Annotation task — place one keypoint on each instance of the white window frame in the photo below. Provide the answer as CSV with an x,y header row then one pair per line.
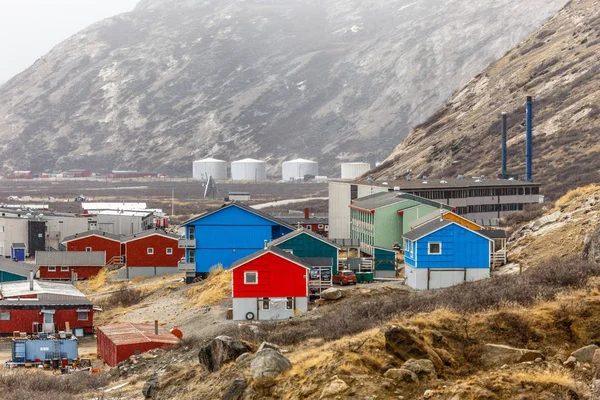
x,y
51,269
265,301
87,315
309,227
326,228
192,232
429,248
64,269
150,251
320,226
88,249
3,316
169,251
246,278
289,304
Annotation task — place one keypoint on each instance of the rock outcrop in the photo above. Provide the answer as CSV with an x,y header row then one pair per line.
x,y
220,351
236,390
585,354
269,363
497,355
335,388
405,345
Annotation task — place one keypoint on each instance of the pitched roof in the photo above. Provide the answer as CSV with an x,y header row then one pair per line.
x,y
147,233
17,268
427,228
300,231
95,232
243,207
318,261
70,258
48,292
131,333
377,200
274,250
18,246
493,233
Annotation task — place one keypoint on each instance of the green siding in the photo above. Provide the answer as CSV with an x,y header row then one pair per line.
x,y
304,245
385,260
8,277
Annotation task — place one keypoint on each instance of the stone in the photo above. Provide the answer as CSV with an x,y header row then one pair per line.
x,y
267,345
496,355
150,389
437,336
538,360
423,368
243,357
334,388
571,362
585,354
405,345
595,389
269,363
596,363
220,351
236,390
332,294
402,375
428,394
385,368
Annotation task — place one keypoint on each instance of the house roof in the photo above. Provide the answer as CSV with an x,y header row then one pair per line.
x,y
275,250
243,207
94,232
131,333
147,233
435,225
301,220
17,268
493,233
70,258
300,231
377,200
318,261
18,246
450,184
343,243
66,291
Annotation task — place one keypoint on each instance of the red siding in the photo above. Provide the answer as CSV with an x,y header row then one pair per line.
x,y
277,277
82,272
22,320
136,252
97,243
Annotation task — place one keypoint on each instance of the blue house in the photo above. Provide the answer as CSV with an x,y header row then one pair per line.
x,y
227,235
307,244
17,251
443,253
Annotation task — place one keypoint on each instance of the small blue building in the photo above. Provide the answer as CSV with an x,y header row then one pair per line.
x,y
443,253
307,244
17,251
227,235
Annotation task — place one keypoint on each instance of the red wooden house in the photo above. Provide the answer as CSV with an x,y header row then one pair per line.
x,y
38,306
150,253
271,284
96,240
64,264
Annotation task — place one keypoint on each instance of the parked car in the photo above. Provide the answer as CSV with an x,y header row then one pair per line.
x,y
345,278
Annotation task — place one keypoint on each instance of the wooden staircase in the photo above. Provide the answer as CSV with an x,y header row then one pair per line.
x,y
115,263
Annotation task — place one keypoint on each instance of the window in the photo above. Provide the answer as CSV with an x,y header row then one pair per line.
x,y
266,304
64,269
192,232
150,250
251,278
320,226
88,249
434,248
169,250
192,256
82,315
289,305
288,251
308,228
51,269
5,316
327,228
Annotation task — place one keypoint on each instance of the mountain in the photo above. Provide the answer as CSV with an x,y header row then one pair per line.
x,y
177,80
560,66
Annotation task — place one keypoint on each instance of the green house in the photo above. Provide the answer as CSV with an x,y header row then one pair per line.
x,y
380,220
384,262
12,271
307,244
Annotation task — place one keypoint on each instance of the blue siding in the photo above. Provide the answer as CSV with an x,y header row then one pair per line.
x,y
230,234
19,254
461,248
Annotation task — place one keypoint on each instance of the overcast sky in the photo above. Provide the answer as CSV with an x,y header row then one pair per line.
x,y
31,28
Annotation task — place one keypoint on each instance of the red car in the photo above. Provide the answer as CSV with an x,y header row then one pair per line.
x,y
344,278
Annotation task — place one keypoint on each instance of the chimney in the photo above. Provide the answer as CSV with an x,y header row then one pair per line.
x,y
504,151
529,139
31,280
306,213
156,327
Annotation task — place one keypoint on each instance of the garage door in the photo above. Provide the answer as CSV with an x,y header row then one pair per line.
x,y
439,278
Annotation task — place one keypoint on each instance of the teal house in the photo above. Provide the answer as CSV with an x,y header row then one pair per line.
x,y
13,271
307,244
384,262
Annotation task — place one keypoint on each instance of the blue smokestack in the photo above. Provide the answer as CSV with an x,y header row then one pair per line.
x,y
529,139
504,152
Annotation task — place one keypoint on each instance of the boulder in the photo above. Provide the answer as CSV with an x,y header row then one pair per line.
x,y
423,368
571,362
150,389
244,357
596,363
595,389
332,294
335,387
585,354
269,363
236,390
428,394
437,336
220,351
496,355
401,375
267,345
405,345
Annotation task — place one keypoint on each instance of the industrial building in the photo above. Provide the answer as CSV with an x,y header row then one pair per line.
x,y
116,343
475,199
354,170
296,170
77,173
202,169
69,265
249,170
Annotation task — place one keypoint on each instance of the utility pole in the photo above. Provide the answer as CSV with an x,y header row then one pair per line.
x,y
172,202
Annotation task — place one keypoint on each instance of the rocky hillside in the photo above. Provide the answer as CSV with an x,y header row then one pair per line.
x,y
559,65
177,80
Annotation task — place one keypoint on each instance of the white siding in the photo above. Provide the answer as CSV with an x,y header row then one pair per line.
x,y
416,278
202,169
249,170
296,169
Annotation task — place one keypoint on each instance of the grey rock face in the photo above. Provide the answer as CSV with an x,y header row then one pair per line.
x,y
150,389
423,368
269,363
402,375
585,354
496,355
219,351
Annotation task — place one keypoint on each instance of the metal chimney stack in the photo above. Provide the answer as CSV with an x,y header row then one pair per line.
x,y
30,280
504,150
529,139
156,327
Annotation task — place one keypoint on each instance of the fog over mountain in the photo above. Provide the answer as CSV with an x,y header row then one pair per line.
x,y
177,80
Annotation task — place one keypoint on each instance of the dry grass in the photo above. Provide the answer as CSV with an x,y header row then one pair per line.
x,y
95,283
575,194
215,288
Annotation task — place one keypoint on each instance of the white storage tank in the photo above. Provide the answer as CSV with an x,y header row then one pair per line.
x,y
354,169
296,169
249,170
202,169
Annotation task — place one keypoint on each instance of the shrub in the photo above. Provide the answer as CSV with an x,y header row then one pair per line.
x,y
529,213
19,385
124,297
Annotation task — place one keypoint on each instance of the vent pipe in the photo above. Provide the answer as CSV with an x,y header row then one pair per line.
x,y
504,151
306,213
156,327
30,280
529,139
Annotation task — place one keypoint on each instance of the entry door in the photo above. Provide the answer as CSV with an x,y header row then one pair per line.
x,y
48,326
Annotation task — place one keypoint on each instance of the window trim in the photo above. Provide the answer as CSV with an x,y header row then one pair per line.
x,y
62,268
192,232
51,269
429,248
5,313
169,251
246,278
87,315
266,301
88,249
150,251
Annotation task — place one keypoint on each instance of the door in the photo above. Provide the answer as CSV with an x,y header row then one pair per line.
x,y
48,324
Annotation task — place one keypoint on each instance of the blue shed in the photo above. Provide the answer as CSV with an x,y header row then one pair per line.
x,y
229,234
17,251
443,253
307,244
